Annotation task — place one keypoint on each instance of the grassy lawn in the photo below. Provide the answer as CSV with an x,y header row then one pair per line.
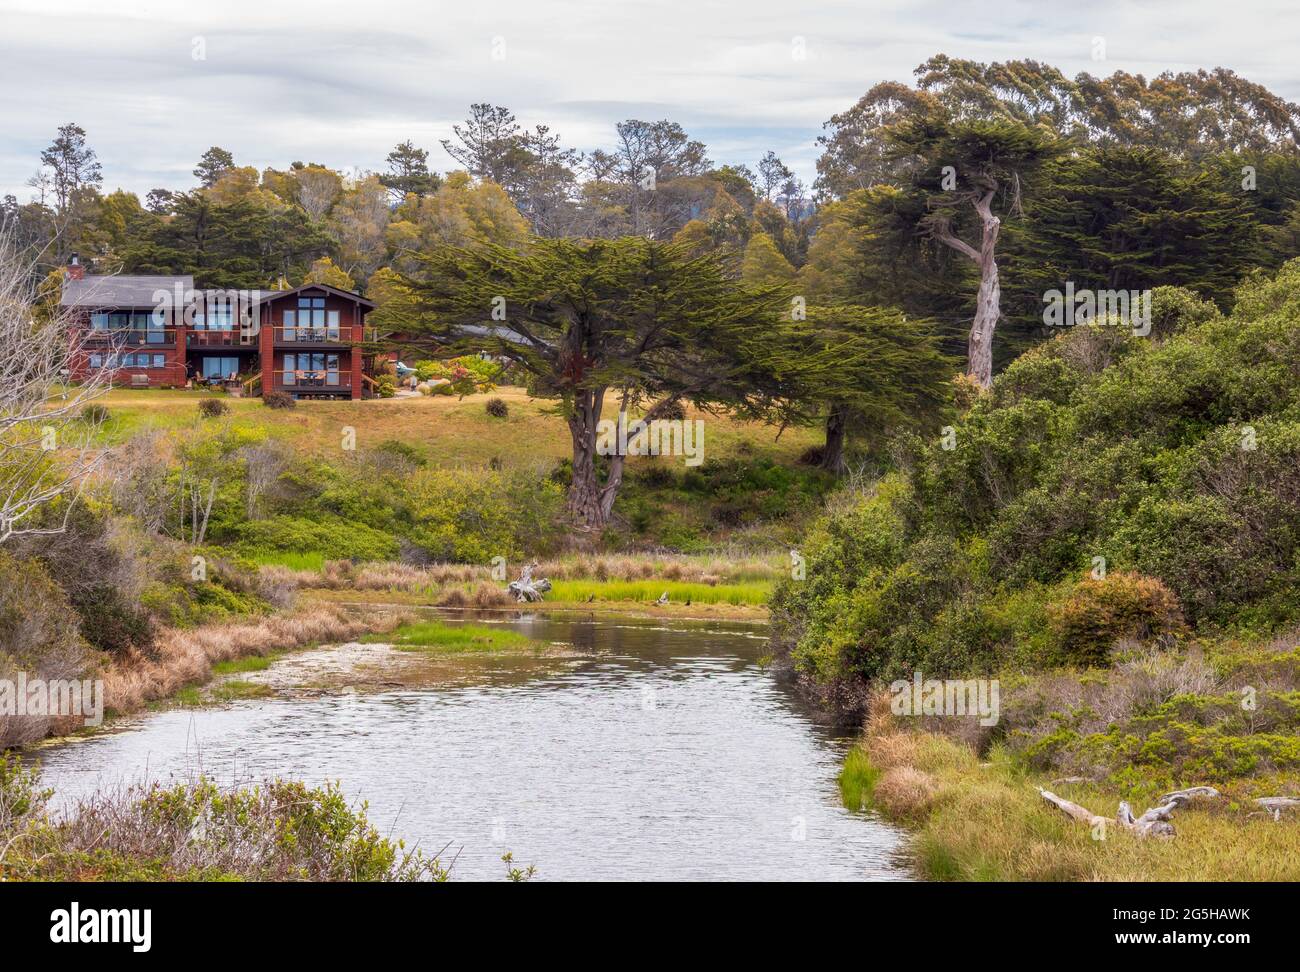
x,y
447,430
434,636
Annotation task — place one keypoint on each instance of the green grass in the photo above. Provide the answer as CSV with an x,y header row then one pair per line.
x,y
235,689
434,636
857,777
250,663
679,592
284,558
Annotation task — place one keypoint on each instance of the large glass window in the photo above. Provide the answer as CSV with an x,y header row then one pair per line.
x,y
219,367
311,369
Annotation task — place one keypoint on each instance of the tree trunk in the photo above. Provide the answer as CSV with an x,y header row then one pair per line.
x,y
988,307
833,451
591,502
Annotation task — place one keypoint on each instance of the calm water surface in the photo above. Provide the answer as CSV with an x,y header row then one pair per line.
x,y
654,751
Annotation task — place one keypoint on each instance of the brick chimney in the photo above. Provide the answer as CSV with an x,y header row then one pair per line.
x,y
75,270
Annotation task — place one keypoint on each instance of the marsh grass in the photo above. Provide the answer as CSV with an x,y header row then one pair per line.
x,y
309,561
986,822
435,636
679,592
250,663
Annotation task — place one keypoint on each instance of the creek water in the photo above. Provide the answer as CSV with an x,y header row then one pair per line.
x,y
638,750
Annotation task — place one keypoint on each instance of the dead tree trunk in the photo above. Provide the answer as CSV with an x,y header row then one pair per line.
x,y
526,589
988,306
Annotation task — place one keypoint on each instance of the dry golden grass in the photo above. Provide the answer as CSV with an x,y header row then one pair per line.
x,y
905,792
186,657
449,431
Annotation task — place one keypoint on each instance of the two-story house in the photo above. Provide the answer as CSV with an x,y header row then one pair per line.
x,y
157,331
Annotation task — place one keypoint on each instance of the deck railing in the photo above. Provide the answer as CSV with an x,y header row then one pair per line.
x,y
320,379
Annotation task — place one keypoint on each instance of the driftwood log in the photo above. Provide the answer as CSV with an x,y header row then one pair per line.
x,y
526,589
1274,805
1154,823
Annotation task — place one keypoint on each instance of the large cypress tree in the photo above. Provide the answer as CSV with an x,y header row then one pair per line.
x,y
644,320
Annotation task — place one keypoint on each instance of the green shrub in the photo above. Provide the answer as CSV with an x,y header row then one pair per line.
x,y
94,414
278,400
333,537
472,515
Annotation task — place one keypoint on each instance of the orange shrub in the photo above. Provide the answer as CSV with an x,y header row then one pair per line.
x,y
1124,604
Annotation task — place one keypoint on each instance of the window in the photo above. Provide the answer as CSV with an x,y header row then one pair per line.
x,y
220,367
217,315
96,361
99,321
311,369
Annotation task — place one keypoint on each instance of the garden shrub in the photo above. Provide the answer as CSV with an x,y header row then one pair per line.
x,y
278,400
497,408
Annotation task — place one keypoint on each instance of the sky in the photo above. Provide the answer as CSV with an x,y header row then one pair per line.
x,y
155,84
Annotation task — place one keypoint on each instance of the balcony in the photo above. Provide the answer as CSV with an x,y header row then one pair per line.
x,y
300,337
220,339
154,337
320,381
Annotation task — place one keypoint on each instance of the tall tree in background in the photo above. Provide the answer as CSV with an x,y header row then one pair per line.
x,y
212,165
489,144
966,173
772,175
408,172
72,165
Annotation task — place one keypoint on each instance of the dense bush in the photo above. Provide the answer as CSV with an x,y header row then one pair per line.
x,y
497,408
1174,457
1122,605
333,537
94,414
213,407
278,400
39,635
474,515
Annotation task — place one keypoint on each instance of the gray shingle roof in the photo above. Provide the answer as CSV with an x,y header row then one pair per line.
x,y
120,291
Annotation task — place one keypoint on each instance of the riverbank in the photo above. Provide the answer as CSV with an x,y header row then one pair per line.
x,y
1221,712
983,820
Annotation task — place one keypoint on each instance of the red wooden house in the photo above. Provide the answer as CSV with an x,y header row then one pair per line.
x,y
158,332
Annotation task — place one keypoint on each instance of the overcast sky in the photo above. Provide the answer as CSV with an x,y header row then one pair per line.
x,y
155,84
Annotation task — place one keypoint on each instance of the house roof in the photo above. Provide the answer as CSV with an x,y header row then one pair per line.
x,y
119,291
346,294
139,291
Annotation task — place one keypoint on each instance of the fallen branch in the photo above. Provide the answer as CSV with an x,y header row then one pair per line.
x,y
1276,804
1153,823
526,589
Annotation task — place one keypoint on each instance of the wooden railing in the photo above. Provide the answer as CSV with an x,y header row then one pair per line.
x,y
311,335
234,338
320,379
160,337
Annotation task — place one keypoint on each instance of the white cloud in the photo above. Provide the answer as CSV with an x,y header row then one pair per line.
x,y
341,85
